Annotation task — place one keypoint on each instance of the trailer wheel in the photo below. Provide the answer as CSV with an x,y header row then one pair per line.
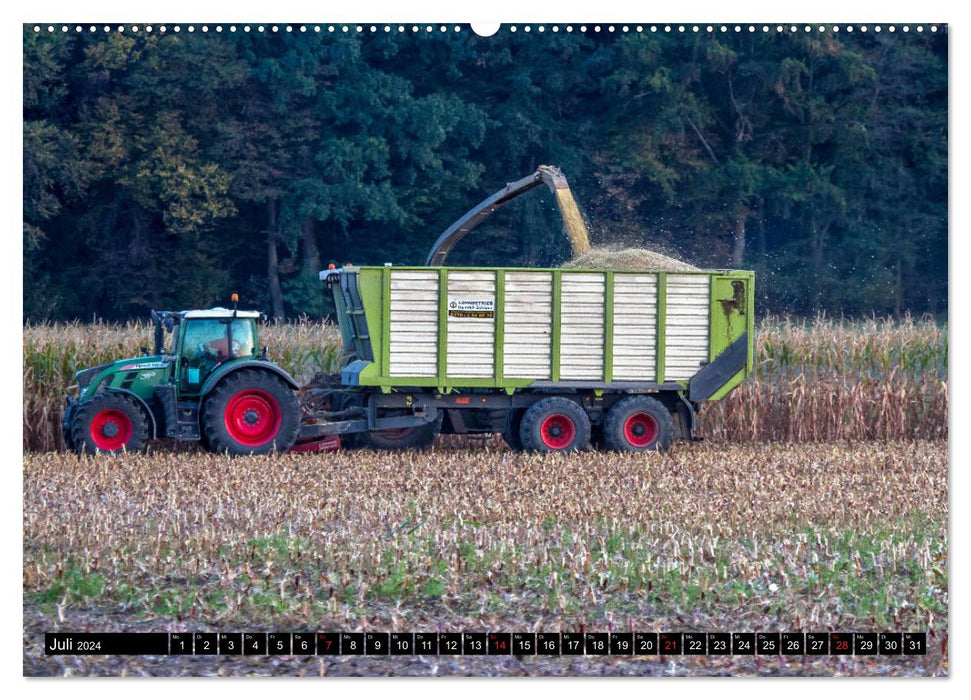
x,y
510,433
554,425
251,413
108,422
404,438
638,424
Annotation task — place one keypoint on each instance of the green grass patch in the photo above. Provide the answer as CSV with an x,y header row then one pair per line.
x,y
72,585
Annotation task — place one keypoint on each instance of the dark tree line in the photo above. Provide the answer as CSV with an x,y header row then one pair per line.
x,y
168,170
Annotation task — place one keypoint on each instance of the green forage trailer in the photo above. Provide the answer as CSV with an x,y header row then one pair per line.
x,y
553,359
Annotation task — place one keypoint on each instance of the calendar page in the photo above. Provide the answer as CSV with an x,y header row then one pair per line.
x,y
446,349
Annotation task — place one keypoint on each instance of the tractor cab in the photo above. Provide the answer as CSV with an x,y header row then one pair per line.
x,y
203,341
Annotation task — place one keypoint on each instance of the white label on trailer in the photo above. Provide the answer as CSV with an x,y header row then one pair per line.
x,y
471,308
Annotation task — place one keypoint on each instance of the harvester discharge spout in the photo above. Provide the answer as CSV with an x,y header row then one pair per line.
x,y
545,174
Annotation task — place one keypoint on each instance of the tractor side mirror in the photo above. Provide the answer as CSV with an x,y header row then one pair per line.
x,y
169,324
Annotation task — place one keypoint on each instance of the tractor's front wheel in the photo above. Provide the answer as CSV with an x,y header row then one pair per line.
x,y
250,413
108,422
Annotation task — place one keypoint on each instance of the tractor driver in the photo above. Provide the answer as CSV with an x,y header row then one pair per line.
x,y
217,348
213,343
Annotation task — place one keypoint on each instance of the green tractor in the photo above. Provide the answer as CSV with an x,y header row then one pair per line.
x,y
213,385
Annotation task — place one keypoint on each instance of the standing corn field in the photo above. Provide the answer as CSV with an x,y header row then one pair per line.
x,y
815,380
830,380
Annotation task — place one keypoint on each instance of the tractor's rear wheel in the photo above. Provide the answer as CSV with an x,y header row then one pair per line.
x,y
638,424
250,412
555,425
108,422
417,438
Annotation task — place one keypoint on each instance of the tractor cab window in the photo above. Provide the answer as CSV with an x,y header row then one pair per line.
x,y
243,337
207,342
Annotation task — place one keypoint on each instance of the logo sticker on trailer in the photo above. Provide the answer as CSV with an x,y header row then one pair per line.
x,y
471,308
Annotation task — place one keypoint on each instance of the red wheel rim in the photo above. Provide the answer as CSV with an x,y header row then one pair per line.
x,y
557,431
111,429
252,417
641,429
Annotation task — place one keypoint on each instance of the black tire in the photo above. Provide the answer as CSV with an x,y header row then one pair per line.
x,y
638,424
66,424
251,412
108,422
510,433
554,425
418,438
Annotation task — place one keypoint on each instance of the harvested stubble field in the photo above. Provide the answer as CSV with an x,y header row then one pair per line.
x,y
814,381
848,536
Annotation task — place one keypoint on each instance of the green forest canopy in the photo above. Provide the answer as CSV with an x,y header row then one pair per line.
x,y
168,170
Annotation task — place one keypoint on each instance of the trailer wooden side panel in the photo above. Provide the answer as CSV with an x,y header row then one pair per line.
x,y
635,326
527,325
582,326
414,323
688,307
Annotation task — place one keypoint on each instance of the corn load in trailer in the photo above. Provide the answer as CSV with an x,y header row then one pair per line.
x,y
553,359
